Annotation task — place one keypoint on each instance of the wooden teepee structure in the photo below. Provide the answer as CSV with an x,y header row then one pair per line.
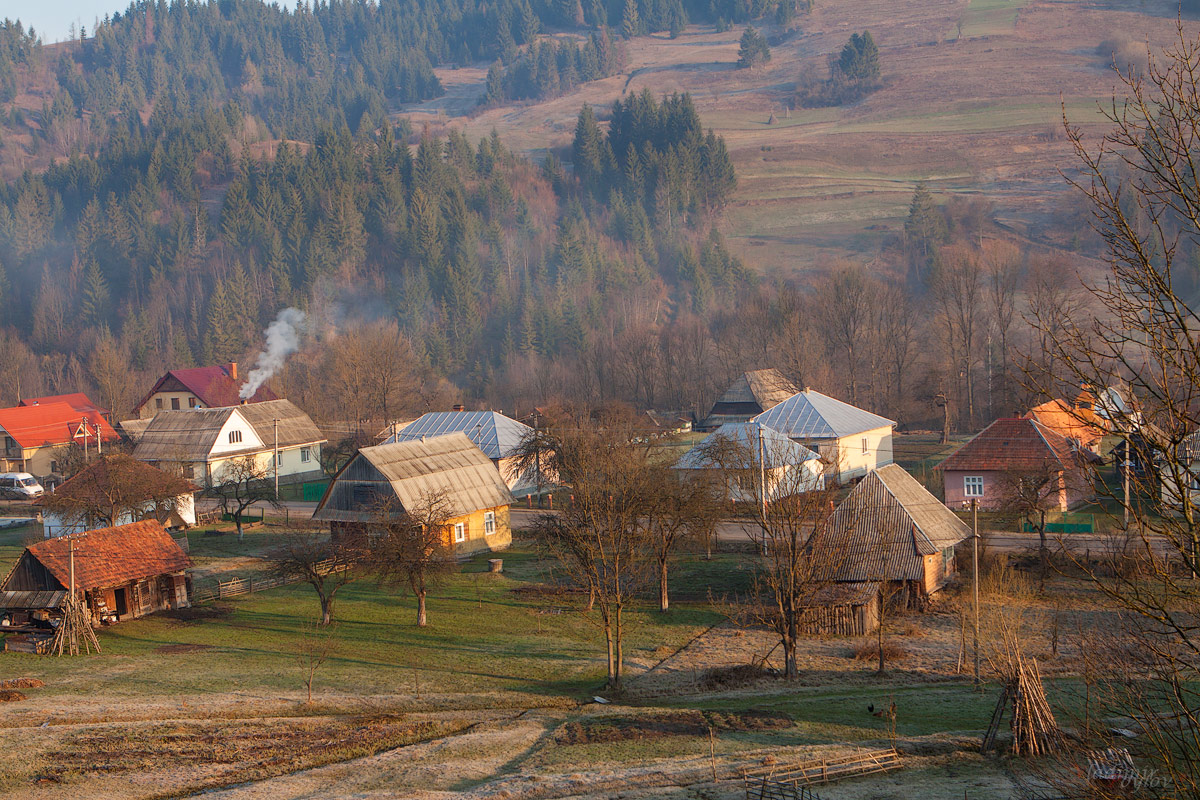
x,y
76,623
1035,731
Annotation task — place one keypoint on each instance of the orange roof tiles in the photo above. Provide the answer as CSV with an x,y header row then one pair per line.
x,y
107,557
51,424
76,400
1073,422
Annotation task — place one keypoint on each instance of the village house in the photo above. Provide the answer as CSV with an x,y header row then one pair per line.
x,y
401,477
753,455
116,489
76,400
891,530
750,395
1187,465
498,436
124,572
198,387
852,442
988,467
196,444
30,436
1075,421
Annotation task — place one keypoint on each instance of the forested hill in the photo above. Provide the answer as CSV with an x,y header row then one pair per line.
x,y
177,244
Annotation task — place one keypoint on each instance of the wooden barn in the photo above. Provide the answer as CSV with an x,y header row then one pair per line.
x,y
890,529
401,476
124,572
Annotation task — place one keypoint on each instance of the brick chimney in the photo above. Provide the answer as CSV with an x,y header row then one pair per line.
x,y
233,370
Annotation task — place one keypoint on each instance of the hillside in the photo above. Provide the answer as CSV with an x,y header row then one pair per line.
x,y
974,110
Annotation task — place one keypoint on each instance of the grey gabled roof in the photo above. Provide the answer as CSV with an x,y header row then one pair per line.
x,y
812,415
778,449
495,434
887,524
189,435
410,471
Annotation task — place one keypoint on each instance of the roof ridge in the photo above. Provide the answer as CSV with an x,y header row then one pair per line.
x,y
912,520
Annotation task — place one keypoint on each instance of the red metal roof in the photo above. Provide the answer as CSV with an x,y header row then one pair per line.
x,y
76,400
52,424
1013,444
214,387
107,557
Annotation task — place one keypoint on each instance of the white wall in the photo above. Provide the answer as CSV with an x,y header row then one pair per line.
x,y
852,462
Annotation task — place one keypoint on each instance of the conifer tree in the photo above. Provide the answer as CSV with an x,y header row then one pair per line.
x,y
630,25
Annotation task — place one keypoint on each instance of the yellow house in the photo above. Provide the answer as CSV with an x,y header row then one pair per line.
x,y
406,474
30,436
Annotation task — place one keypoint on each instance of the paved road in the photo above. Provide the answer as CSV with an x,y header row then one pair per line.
x,y
738,531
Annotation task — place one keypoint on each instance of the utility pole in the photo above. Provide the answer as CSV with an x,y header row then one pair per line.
x,y
974,503
99,443
762,484
275,461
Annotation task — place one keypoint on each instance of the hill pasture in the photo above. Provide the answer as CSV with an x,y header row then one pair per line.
x,y
972,103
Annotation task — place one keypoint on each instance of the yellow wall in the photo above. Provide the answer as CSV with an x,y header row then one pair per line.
x,y
476,541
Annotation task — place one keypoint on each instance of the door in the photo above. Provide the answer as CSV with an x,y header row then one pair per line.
x,y
121,603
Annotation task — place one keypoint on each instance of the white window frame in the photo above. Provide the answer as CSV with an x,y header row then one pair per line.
x,y
489,523
460,532
235,437
972,486
305,455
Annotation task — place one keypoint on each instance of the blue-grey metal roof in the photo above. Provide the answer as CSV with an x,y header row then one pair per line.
x,y
812,415
495,434
778,449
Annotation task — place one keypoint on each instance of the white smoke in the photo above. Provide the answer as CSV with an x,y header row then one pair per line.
x,y
283,339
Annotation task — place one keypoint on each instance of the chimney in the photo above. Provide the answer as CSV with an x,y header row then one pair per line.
x,y
458,407
233,370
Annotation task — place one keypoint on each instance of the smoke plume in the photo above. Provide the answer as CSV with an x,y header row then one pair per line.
x,y
283,339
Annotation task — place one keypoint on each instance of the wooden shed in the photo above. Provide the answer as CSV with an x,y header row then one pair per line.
x,y
891,529
123,572
843,609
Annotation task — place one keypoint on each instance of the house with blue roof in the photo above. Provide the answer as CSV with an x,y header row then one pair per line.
x,y
498,436
755,458
851,441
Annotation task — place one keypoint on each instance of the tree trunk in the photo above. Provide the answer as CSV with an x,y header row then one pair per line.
x,y
237,520
664,602
591,601
421,609
613,681
326,610
619,657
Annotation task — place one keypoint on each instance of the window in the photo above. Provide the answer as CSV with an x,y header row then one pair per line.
x,y
174,403
973,486
158,403
305,455
54,466
460,531
865,448
489,523
192,402
235,437
189,471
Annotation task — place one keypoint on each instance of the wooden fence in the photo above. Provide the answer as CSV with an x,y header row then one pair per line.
x,y
790,782
238,586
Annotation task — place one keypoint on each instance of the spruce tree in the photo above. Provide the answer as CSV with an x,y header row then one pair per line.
x,y
630,25
753,49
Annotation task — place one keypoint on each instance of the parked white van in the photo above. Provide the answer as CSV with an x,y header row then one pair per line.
x,y
19,486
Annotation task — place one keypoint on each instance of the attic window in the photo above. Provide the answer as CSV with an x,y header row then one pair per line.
x,y
865,446
235,437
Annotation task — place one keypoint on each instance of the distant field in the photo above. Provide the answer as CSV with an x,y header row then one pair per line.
x,y
976,114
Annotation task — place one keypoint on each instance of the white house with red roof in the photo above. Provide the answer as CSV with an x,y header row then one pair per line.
x,y
198,387
30,435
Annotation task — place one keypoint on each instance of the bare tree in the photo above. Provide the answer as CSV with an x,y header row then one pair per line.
x,y
1140,181
958,287
373,365
677,510
1002,263
325,564
843,303
238,484
313,650
411,547
601,538
789,509
115,486
1033,492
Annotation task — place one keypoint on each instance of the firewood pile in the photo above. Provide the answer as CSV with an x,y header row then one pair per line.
x,y
75,627
1035,731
